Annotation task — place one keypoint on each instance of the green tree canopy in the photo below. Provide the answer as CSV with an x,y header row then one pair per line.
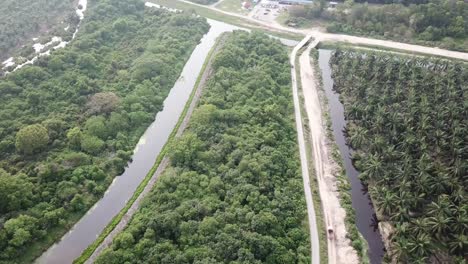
x,y
74,137
31,138
96,126
15,192
91,144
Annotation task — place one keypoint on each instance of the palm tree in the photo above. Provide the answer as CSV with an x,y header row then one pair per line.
x,y
358,136
373,167
459,223
418,226
384,200
421,247
438,208
400,250
408,125
438,224
459,244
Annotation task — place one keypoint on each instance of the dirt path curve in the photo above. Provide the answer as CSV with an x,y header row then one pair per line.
x,y
216,3
314,240
162,166
317,34
339,246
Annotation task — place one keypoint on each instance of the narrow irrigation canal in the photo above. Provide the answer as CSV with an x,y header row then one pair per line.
x,y
365,214
122,188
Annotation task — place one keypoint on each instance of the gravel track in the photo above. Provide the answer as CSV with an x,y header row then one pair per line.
x,y
314,239
339,246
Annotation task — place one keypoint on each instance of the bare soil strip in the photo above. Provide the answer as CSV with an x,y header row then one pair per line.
x,y
339,246
314,240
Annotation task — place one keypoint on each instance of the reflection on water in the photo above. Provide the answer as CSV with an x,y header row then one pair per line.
x,y
122,188
366,219
150,144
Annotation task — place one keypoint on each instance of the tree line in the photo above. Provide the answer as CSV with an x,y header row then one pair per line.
x,y
233,192
442,23
69,123
407,122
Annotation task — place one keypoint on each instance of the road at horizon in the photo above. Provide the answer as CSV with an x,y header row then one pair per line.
x,y
323,36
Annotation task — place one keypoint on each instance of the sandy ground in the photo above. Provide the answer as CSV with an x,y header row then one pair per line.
x,y
162,166
339,246
314,240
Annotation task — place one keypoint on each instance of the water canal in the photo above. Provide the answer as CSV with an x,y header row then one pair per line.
x,y
366,220
122,188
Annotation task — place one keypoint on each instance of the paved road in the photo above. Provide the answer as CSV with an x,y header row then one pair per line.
x,y
314,240
321,36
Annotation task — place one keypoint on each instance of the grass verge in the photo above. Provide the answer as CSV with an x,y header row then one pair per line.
x,y
91,248
357,240
232,6
233,20
319,212
285,18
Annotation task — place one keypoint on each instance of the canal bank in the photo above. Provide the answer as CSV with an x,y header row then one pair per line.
x,y
121,221
365,217
122,189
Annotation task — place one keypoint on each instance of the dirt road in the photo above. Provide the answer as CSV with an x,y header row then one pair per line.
x,y
317,34
390,44
314,240
339,246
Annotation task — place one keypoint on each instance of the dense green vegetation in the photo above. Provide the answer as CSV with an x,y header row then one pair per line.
x,y
63,139
124,213
23,20
233,193
442,23
407,122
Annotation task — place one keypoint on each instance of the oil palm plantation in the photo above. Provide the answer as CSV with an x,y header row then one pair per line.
x,y
407,123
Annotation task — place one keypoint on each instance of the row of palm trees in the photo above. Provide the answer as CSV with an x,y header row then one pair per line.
x,y
407,120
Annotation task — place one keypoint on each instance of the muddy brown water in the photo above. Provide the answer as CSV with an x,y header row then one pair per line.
x,y
365,215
